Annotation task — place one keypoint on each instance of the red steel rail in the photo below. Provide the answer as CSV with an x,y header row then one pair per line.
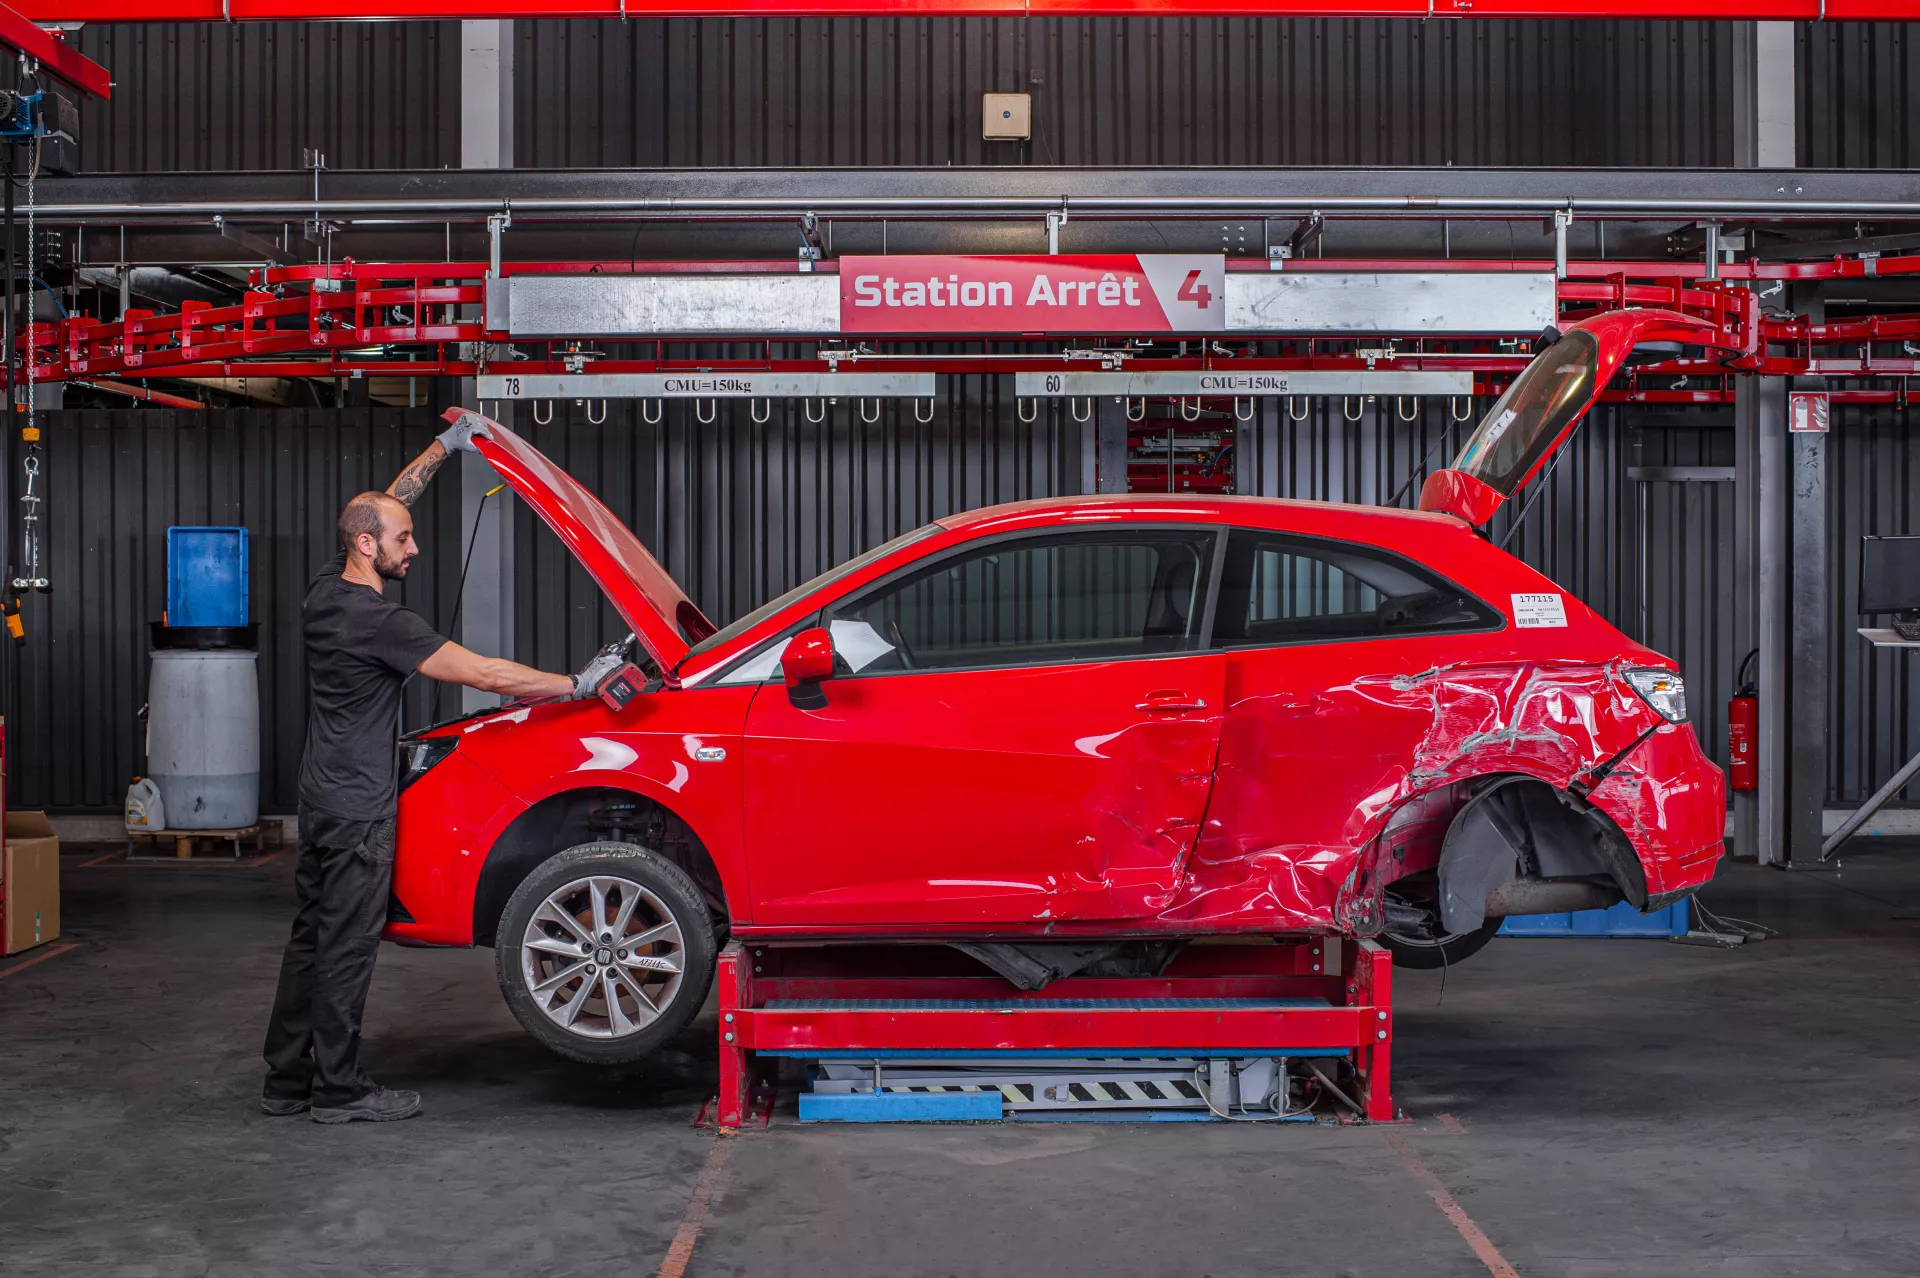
x,y
53,53
336,10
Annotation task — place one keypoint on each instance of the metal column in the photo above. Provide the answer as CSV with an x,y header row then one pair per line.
x,y
1769,415
1746,578
1807,650
1763,95
486,142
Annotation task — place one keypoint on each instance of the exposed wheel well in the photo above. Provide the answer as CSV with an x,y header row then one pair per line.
x,y
1521,830
573,817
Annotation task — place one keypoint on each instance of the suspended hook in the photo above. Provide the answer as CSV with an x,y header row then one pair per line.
x,y
1406,417
1028,409
1238,416
603,412
1194,416
863,410
659,411
1139,416
1301,416
1453,407
538,420
713,411
916,410
807,408
1074,405
1360,408
758,416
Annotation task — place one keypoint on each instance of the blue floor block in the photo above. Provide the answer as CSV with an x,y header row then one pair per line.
x,y
1620,921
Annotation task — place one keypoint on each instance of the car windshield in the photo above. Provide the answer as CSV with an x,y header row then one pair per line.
x,y
1548,394
728,634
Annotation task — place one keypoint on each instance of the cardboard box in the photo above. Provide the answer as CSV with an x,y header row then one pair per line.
x,y
29,883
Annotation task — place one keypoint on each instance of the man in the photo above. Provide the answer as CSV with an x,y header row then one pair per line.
x,y
360,649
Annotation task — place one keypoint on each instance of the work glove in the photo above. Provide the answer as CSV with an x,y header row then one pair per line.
x,y
594,673
458,438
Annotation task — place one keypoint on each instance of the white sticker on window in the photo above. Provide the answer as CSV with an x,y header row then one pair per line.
x,y
857,643
1539,610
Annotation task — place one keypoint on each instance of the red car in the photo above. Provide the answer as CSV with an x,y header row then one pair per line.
x,y
1068,736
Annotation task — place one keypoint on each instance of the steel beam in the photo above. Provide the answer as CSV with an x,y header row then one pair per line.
x,y
1769,415
1807,651
439,195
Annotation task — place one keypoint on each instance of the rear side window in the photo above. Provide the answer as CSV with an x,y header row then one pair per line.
x,y
1034,601
1279,589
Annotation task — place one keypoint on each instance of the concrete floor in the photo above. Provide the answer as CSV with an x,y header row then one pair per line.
x,y
1585,1107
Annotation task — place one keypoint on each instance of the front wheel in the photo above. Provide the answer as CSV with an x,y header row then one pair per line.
x,y
1420,951
605,952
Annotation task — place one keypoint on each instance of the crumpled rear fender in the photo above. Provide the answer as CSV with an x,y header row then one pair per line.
x,y
1569,725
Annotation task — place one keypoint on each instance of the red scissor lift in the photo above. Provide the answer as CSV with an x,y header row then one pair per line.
x,y
1264,999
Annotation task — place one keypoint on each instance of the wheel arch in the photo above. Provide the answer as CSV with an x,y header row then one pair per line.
x,y
1515,827
585,814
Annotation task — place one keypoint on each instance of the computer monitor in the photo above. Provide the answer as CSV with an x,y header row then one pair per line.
x,y
1890,578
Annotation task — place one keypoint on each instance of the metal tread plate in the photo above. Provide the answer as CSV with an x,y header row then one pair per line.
x,y
1040,1004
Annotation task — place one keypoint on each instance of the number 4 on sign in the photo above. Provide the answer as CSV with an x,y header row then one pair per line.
x,y
1192,290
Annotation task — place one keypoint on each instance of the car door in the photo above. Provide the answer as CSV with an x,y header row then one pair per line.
x,y
1020,731
1323,640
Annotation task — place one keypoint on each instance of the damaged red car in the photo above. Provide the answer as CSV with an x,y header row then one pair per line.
x,y
1068,736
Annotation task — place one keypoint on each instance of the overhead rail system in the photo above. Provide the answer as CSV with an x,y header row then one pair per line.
x,y
834,322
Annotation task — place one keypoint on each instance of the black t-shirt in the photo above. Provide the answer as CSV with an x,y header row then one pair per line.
x,y
360,649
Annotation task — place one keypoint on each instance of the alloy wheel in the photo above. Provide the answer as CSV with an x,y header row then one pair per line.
x,y
602,957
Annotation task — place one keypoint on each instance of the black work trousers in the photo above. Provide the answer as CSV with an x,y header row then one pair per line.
x,y
343,879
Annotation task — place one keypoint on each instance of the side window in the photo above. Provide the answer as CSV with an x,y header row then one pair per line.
x,y
1033,601
1278,589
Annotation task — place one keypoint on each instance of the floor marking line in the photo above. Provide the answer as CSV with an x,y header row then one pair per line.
x,y
706,1188
1452,1124
41,957
1482,1245
105,856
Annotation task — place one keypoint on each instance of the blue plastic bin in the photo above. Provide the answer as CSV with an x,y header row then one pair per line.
x,y
1621,920
206,576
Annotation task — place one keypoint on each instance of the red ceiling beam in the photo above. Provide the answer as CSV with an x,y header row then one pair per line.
x,y
321,10
55,55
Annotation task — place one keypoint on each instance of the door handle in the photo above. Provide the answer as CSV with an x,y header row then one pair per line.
x,y
1169,701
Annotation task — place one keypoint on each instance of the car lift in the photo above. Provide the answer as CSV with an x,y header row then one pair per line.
x,y
936,1039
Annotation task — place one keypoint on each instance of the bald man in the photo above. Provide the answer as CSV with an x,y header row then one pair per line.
x,y
361,646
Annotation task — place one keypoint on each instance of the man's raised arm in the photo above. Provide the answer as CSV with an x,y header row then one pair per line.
x,y
457,438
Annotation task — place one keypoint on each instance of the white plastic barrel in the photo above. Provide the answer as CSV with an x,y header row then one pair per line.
x,y
203,737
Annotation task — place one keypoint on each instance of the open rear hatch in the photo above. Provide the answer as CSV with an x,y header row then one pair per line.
x,y
1539,411
664,620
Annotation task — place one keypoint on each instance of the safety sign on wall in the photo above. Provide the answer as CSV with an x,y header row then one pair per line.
x,y
1107,293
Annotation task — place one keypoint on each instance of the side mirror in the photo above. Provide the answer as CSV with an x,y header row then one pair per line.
x,y
807,660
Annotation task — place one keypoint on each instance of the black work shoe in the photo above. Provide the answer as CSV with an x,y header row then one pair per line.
x,y
283,1106
381,1105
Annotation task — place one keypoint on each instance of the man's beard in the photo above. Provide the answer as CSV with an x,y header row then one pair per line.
x,y
389,569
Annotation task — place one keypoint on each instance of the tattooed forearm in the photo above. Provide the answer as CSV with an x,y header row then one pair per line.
x,y
412,481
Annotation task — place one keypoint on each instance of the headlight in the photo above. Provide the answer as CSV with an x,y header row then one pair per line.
x,y
1664,690
422,753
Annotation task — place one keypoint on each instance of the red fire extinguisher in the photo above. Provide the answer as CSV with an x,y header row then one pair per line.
x,y
1743,731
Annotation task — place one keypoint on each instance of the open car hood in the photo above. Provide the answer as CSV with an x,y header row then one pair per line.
x,y
663,618
1529,423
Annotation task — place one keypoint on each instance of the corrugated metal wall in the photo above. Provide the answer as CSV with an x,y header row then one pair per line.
x,y
251,95
848,91
741,511
1109,91
115,481
1859,95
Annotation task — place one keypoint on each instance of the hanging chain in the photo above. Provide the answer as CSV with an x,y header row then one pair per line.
x,y
31,577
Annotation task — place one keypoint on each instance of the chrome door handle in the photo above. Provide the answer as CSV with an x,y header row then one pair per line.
x,y
1169,701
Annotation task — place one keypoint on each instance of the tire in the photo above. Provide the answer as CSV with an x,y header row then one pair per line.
x,y
1426,952
557,987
